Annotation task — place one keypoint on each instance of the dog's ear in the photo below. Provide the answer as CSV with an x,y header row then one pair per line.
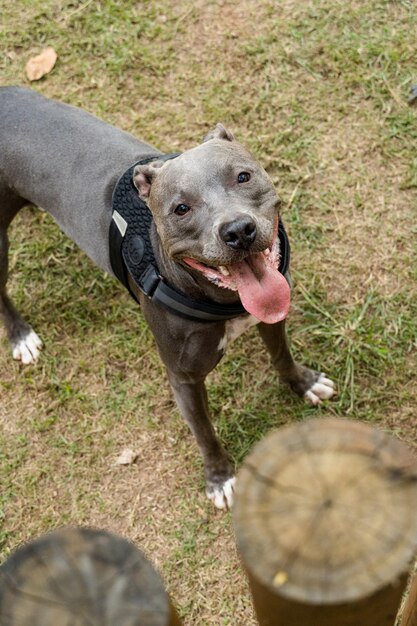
x,y
144,175
219,132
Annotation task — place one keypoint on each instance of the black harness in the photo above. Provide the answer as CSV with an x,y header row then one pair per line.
x,y
133,261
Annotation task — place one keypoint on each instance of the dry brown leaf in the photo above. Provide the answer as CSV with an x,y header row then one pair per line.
x,y
42,64
126,457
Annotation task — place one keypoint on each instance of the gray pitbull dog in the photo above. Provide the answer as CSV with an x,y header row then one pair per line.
x,y
214,235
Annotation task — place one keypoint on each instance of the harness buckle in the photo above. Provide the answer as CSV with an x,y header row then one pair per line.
x,y
149,281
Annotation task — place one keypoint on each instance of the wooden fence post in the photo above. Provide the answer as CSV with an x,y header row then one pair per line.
x,y
82,577
325,520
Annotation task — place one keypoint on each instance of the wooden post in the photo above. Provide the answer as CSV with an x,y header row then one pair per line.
x,y
326,524
82,577
409,613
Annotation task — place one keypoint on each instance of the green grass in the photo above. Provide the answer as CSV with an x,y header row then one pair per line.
x,y
318,91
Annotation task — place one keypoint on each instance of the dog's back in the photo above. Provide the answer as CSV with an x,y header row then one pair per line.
x,y
65,161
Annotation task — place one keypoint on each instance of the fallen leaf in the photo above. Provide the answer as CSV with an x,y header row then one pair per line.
x,y
42,64
127,457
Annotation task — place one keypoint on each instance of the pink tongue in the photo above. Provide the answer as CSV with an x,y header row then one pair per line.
x,y
263,291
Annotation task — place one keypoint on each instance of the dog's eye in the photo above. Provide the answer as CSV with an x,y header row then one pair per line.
x,y
181,209
243,177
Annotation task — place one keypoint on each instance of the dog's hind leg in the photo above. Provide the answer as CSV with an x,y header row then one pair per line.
x,y
24,341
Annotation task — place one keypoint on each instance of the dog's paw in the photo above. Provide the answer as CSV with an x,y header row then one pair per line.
x,y
27,348
222,494
322,389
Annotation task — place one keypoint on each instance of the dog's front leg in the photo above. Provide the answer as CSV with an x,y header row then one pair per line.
x,y
189,351
313,386
191,398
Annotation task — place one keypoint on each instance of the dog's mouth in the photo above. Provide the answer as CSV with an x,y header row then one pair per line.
x,y
263,290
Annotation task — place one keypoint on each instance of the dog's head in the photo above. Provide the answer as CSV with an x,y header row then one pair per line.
x,y
216,212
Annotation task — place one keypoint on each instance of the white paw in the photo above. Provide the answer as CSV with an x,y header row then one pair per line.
x,y
27,349
323,389
222,497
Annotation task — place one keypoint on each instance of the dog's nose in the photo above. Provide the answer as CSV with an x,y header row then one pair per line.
x,y
239,234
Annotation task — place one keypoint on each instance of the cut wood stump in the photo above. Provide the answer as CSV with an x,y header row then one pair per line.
x,y
409,614
326,524
82,577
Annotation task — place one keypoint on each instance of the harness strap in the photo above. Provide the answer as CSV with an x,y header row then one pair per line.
x,y
184,306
